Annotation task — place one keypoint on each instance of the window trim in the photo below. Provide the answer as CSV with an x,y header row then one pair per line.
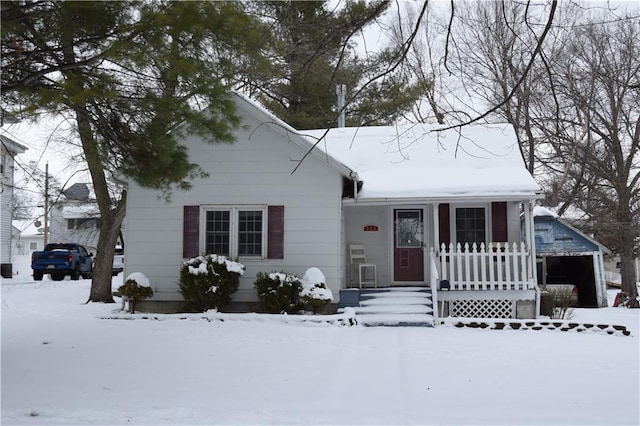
x,y
234,221
453,222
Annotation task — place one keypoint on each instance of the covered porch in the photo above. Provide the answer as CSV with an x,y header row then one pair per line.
x,y
427,245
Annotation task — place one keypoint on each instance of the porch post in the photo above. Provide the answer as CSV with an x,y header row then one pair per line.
x,y
434,265
530,241
436,227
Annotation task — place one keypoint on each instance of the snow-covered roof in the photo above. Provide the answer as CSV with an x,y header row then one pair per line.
x,y
415,161
12,145
81,211
27,228
543,211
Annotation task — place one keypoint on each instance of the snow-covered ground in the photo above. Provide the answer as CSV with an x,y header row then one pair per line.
x,y
63,364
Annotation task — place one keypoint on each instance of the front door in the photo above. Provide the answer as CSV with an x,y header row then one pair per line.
x,y
408,242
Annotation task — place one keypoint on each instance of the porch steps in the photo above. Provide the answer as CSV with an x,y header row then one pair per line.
x,y
395,306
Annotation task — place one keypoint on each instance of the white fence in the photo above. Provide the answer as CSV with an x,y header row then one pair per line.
x,y
497,266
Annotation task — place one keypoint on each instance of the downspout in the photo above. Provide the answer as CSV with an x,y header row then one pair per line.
x,y
354,177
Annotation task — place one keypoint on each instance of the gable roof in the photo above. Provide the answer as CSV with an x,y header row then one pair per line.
x,y
265,117
12,145
417,162
543,214
27,228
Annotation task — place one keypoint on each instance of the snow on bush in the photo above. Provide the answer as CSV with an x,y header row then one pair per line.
x,y
207,282
315,292
198,265
136,287
140,278
278,292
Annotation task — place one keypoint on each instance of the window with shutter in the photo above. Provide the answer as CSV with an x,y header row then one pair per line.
x,y
234,231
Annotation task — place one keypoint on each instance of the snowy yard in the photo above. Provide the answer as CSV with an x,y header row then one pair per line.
x,y
62,364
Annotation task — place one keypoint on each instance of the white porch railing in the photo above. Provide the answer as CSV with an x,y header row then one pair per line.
x,y
498,266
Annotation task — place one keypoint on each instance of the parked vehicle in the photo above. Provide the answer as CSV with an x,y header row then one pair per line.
x,y
118,261
62,259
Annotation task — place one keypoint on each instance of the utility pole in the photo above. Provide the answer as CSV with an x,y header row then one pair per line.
x,y
46,203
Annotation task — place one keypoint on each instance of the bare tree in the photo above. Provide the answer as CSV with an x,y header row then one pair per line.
x,y
598,126
574,108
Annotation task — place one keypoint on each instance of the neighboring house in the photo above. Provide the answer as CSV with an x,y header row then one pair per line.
x,y
75,218
8,150
428,207
27,237
568,256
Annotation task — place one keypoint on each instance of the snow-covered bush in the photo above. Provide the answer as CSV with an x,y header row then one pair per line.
x,y
278,292
136,287
207,282
315,294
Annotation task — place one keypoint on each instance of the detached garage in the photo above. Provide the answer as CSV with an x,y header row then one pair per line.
x,y
567,256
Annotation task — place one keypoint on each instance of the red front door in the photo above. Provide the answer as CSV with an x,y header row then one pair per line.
x,y
408,242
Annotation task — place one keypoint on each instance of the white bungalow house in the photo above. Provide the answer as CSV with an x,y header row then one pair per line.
x,y
8,150
432,210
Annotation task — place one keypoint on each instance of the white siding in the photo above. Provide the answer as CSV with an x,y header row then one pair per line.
x,y
513,222
6,198
376,243
255,170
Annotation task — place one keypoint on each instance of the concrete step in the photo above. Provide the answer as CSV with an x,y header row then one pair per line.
x,y
393,309
394,320
392,306
396,301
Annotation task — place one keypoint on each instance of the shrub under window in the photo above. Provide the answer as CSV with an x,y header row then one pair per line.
x,y
279,292
208,282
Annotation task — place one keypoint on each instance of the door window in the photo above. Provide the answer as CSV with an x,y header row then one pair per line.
x,y
409,229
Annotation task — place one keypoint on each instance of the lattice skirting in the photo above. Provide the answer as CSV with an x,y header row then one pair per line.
x,y
482,308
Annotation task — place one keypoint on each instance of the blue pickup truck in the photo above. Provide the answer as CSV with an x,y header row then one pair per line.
x,y
62,259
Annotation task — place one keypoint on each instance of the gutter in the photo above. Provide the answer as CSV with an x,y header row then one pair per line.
x,y
437,199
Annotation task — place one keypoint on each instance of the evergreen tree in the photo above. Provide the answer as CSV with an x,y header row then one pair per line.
x,y
312,51
135,77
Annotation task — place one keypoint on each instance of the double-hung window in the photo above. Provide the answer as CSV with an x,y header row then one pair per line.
x,y
470,225
235,231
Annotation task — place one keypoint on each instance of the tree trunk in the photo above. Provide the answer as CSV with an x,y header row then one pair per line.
x,y
627,265
111,216
110,224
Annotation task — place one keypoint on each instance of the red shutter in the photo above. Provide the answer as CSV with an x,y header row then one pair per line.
x,y
275,232
499,221
191,232
444,224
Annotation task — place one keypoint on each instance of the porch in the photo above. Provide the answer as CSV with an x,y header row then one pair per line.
x,y
490,281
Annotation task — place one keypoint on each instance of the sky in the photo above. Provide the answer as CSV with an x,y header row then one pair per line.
x,y
65,362
48,140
